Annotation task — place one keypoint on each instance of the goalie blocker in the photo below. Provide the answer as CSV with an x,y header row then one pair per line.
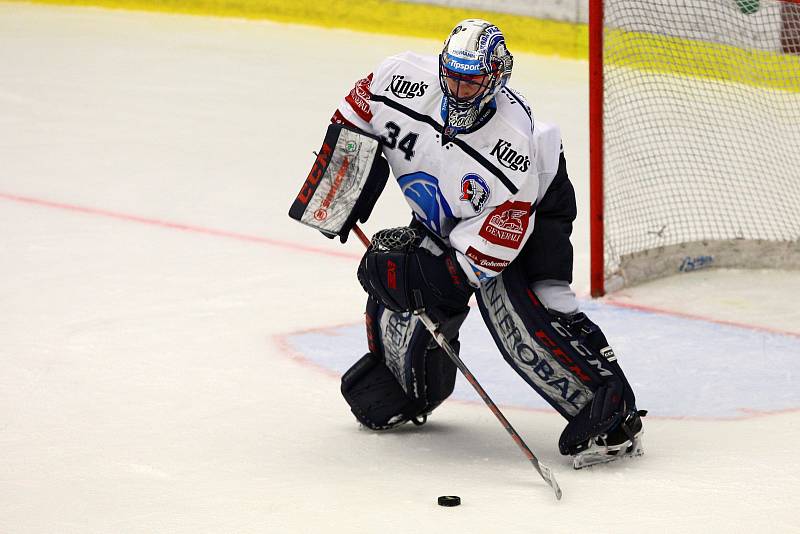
x,y
344,183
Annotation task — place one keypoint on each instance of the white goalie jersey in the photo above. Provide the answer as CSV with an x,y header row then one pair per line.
x,y
479,190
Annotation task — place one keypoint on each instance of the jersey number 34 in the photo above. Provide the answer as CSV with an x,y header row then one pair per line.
x,y
405,145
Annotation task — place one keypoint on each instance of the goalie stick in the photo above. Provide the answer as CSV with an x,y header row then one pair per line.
x,y
544,471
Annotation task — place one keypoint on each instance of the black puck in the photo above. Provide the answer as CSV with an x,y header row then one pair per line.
x,y
449,500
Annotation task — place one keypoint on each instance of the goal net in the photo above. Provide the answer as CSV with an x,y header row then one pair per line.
x,y
695,137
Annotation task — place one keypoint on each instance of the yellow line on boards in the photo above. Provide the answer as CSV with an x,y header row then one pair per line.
x,y
637,50
701,59
523,34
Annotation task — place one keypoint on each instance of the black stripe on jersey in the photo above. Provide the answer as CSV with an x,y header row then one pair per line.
x,y
458,142
517,99
487,164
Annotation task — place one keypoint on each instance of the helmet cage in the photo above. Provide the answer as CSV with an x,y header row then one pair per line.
x,y
465,90
474,66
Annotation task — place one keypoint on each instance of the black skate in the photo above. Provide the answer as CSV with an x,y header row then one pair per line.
x,y
623,441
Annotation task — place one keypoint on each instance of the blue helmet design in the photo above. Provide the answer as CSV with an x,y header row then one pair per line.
x,y
473,67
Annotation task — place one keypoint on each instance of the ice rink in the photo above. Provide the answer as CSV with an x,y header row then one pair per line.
x,y
171,342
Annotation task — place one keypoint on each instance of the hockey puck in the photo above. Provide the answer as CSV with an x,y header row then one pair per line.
x,y
449,500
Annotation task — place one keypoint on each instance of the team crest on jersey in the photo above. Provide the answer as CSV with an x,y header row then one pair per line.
x,y
475,191
401,87
507,223
426,200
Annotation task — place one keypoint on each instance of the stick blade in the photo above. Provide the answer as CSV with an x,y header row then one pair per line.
x,y
549,477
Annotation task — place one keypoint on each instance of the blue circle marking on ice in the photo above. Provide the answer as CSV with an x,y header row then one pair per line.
x,y
679,367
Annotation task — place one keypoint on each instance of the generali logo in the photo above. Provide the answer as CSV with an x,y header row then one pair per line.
x,y
403,88
510,158
507,223
359,98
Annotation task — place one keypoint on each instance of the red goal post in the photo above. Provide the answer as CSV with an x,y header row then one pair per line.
x,y
694,111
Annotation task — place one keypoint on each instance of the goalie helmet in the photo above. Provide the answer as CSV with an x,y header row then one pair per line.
x,y
473,67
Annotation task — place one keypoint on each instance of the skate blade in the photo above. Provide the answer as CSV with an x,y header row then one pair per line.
x,y
602,455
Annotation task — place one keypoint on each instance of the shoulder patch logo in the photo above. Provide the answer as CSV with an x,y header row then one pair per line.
x,y
359,98
507,223
475,191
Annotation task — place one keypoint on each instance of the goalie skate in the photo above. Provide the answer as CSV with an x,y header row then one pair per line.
x,y
622,442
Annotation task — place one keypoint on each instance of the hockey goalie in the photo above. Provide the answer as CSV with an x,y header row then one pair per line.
x,y
492,212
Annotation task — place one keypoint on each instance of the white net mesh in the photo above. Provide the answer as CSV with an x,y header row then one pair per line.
x,y
702,136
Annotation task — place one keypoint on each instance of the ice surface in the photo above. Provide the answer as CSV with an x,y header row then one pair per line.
x,y
156,374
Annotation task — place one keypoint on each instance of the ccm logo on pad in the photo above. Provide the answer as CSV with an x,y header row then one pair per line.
x,y
507,223
316,174
391,274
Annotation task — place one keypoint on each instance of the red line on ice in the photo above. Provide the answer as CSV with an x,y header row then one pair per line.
x,y
653,309
176,226
315,250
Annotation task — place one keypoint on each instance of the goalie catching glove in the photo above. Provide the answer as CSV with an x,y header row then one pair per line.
x,y
406,271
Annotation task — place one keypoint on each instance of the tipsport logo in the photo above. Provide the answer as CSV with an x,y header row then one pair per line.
x,y
465,66
404,88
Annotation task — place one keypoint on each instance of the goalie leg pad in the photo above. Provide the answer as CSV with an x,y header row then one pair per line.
x,y
565,358
374,395
613,401
440,375
531,346
405,376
